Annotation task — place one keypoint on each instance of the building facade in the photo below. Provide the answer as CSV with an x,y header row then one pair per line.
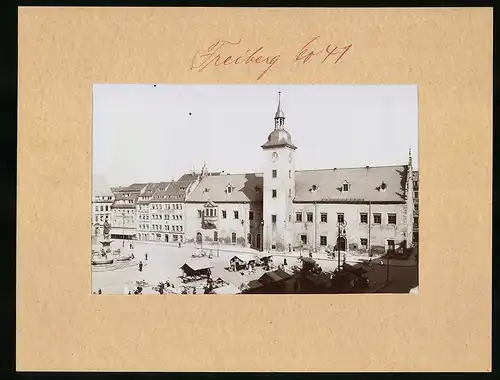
x,y
415,207
123,211
102,199
226,208
142,211
166,209
283,209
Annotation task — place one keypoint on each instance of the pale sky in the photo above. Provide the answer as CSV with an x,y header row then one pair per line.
x,y
143,133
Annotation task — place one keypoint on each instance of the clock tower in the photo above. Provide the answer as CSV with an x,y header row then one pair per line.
x,y
279,185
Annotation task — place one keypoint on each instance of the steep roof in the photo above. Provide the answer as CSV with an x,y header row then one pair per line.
x,y
100,186
376,184
160,192
134,187
148,193
244,188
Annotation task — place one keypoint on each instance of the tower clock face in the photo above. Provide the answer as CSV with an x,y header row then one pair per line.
x,y
290,158
274,156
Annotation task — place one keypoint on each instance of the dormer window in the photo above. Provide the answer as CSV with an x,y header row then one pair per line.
x,y
229,189
314,188
345,186
383,186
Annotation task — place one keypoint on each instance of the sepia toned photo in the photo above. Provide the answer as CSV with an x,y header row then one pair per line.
x,y
254,189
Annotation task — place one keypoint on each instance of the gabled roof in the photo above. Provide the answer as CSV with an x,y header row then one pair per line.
x,y
254,284
198,264
245,257
148,193
160,192
134,187
245,188
365,184
100,186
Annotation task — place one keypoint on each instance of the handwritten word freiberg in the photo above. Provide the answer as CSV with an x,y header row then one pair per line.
x,y
217,55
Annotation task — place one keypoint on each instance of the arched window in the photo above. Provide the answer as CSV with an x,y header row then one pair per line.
x,y
233,238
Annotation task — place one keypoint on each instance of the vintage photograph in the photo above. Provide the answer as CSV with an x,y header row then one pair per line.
x,y
254,189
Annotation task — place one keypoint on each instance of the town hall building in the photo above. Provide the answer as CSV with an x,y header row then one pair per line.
x,y
284,209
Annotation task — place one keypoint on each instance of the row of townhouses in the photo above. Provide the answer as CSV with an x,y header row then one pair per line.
x,y
278,208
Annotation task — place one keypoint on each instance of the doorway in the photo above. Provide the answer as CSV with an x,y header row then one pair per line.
x,y
258,241
199,237
303,239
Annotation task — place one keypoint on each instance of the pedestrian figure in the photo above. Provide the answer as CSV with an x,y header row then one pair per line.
x,y
129,293
140,266
310,254
132,256
130,246
381,262
99,291
284,262
370,262
343,258
179,244
146,256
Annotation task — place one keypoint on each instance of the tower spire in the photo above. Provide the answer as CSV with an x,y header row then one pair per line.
x,y
279,118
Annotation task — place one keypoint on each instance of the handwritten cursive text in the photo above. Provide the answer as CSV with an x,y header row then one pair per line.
x,y
214,55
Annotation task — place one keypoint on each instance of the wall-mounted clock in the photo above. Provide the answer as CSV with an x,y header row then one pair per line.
x,y
274,156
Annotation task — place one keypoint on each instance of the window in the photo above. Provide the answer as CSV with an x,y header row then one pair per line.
x,y
224,214
102,208
96,218
180,207
216,236
390,244
211,211
324,217
273,218
415,194
289,193
298,217
236,214
289,217
229,189
289,174
364,242
377,218
322,240
416,206
415,220
363,217
345,187
391,218
250,215
180,228
233,238
107,208
340,217
275,173
309,216
275,193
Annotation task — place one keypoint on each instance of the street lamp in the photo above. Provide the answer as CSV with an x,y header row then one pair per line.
x,y
123,229
262,236
341,225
